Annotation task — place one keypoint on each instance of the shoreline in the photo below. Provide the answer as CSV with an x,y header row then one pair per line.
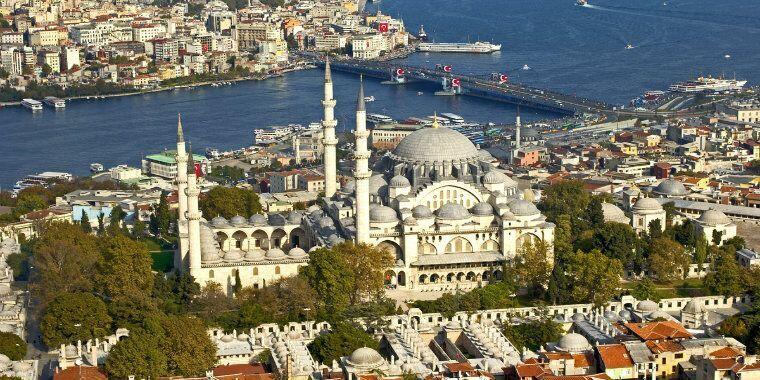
x,y
171,88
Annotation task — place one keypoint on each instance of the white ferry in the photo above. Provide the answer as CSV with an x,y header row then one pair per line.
x,y
41,179
54,102
453,117
376,118
96,167
477,47
707,84
32,104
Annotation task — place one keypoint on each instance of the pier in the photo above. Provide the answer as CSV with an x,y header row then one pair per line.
x,y
493,89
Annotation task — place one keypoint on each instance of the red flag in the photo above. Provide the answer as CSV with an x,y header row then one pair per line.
x,y
503,78
382,27
456,82
447,68
400,71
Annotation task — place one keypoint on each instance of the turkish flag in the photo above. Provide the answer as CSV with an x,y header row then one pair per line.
x,y
503,78
447,68
456,82
382,27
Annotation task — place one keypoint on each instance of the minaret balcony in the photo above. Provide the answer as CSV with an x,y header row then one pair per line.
x,y
329,103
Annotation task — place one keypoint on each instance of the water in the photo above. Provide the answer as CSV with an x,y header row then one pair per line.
x,y
569,48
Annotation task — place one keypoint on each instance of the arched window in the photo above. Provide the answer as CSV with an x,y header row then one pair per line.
x,y
211,273
277,270
255,271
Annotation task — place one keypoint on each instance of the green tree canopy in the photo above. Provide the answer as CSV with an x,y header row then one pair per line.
x,y
645,290
12,346
593,276
341,341
619,241
72,317
230,201
533,333
668,260
533,265
565,198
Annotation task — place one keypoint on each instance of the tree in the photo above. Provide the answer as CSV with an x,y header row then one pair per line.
x,y
12,346
619,241
46,70
347,274
72,317
65,258
655,229
534,265
645,290
595,213
175,293
115,219
726,278
565,198
26,203
126,279
701,247
533,334
138,229
341,341
559,287
594,277
101,223
85,223
211,301
228,202
685,233
737,242
161,217
717,236
164,346
668,260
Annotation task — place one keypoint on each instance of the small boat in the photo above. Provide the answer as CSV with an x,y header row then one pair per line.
x,y
526,67
629,47
727,56
369,98
420,93
96,167
581,2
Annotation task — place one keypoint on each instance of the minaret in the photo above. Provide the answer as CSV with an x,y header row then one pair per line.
x,y
329,140
362,172
297,149
181,171
193,214
517,129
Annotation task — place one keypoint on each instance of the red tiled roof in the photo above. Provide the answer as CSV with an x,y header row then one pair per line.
x,y
80,373
614,356
725,352
659,330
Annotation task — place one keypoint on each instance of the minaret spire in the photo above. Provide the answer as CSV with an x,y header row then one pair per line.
x,y
180,133
193,215
329,140
362,173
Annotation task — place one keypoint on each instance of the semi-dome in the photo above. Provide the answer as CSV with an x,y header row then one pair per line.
x,y
258,220
297,253
219,222
435,145
382,214
237,221
713,217
647,306
365,357
573,342
482,209
399,181
422,212
275,254
670,187
453,211
647,204
523,208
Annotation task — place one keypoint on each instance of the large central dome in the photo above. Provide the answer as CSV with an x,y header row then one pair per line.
x,y
435,145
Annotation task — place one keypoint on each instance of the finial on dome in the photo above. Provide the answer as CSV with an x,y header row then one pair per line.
x,y
435,120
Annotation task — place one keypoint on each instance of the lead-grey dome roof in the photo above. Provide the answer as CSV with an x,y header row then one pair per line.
x,y
453,211
573,342
258,220
400,181
522,207
670,187
435,145
219,222
482,209
713,217
275,254
647,204
382,214
237,220
422,212
493,177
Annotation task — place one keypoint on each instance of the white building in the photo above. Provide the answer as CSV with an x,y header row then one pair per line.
x,y
645,211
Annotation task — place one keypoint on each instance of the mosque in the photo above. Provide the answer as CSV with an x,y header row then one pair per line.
x,y
437,203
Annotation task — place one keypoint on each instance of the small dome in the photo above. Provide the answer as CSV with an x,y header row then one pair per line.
x,y
325,222
382,214
349,187
482,209
242,337
579,317
237,221
493,177
227,338
258,220
611,316
254,255
573,342
625,315
647,306
713,217
508,215
410,221
294,217
647,204
422,212
219,222
297,253
275,254
523,208
670,187
7,328
453,211
694,307
659,314
70,351
365,357
453,326
233,255
399,181
376,183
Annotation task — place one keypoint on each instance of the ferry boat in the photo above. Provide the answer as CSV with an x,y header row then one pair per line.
x,y
32,104
708,84
370,98
96,167
54,102
41,179
581,2
376,118
457,47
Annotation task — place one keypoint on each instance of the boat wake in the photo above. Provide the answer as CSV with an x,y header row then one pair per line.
x,y
667,15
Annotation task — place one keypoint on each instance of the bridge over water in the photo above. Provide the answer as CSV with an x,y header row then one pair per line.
x,y
493,89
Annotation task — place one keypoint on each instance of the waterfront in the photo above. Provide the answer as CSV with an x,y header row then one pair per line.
x,y
569,48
